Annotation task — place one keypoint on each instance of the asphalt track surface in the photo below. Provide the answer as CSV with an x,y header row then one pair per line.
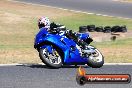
x,y
106,7
39,76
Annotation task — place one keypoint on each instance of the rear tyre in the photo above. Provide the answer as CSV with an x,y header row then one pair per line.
x,y
99,29
115,29
83,29
123,29
91,28
107,29
96,60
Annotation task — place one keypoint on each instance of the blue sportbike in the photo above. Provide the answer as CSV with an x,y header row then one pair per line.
x,y
56,49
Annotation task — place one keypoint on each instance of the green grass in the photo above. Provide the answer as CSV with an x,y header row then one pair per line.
x,y
73,22
114,44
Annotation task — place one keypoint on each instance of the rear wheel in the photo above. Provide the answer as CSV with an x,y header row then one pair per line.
x,y
53,60
95,59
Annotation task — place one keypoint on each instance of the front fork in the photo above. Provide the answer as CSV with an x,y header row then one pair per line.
x,y
49,48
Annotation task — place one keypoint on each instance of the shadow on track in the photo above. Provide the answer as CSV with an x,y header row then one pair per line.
x,y
44,66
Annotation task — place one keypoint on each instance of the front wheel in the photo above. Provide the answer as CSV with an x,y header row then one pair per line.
x,y
95,59
52,59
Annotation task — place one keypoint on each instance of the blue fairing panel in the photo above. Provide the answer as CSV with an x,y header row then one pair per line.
x,y
42,33
83,36
75,57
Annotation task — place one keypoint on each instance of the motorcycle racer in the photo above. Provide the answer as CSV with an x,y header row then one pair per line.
x,y
44,23
59,46
74,35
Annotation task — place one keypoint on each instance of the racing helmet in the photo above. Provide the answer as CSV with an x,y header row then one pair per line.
x,y
44,22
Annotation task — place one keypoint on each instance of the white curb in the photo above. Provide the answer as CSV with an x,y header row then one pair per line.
x,y
15,64
20,64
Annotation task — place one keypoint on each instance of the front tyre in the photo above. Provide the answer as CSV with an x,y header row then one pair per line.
x,y
53,59
96,59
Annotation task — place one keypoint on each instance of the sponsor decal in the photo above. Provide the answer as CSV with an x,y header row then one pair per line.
x,y
83,78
